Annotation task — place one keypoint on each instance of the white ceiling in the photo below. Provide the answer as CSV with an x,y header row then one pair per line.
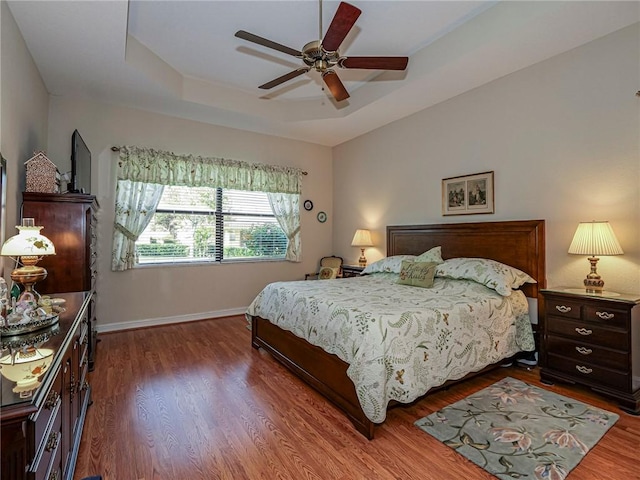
x,y
181,58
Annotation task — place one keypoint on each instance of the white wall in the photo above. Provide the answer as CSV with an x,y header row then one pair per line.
x,y
23,112
561,136
152,294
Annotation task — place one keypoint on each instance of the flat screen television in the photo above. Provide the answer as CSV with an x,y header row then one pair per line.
x,y
80,165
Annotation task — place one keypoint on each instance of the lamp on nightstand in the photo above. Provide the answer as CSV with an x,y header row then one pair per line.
x,y
594,238
362,239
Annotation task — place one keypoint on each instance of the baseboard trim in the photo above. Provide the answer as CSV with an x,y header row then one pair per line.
x,y
155,322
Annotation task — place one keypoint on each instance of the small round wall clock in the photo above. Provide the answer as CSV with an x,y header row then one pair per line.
x,y
308,205
322,217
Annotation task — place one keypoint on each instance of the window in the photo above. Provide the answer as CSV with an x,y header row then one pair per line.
x,y
202,224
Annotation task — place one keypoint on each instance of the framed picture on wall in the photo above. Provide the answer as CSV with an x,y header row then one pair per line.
x,y
468,195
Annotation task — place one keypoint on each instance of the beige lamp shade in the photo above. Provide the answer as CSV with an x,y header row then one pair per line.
x,y
362,238
593,239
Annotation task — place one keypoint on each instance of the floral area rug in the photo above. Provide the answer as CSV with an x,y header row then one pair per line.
x,y
516,430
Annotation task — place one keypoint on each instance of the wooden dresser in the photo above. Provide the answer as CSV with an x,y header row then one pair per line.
x,y
593,340
41,428
69,221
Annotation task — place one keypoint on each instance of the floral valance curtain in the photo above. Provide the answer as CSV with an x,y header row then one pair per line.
x,y
147,165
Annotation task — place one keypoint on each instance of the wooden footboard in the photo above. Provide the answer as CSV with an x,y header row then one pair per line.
x,y
323,371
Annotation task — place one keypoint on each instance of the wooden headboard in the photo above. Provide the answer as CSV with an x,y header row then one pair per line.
x,y
516,243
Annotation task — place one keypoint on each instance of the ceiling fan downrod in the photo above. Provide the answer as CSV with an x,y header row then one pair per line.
x,y
320,21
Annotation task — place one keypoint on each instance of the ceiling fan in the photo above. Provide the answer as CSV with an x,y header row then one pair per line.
x,y
323,56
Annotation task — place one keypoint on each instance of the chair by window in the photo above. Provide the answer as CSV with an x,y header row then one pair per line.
x,y
331,262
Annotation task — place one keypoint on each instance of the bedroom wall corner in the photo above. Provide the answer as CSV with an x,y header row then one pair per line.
x,y
561,137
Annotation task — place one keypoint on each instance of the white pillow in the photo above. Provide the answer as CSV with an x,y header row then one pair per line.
x,y
391,264
433,255
498,276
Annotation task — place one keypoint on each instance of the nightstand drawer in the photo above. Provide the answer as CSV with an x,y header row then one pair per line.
x,y
589,373
586,352
589,332
606,315
563,308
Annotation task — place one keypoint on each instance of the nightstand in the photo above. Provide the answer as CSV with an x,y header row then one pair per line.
x,y
351,271
593,340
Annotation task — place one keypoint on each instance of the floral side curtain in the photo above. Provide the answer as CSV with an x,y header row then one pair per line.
x,y
136,202
286,208
142,174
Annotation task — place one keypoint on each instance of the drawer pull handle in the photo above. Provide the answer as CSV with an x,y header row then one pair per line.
x,y
72,386
563,308
582,369
605,315
54,475
51,400
52,442
584,331
584,350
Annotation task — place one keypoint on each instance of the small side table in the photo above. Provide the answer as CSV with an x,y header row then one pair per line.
x,y
593,340
351,271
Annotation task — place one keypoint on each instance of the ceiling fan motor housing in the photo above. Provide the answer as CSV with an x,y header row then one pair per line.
x,y
317,57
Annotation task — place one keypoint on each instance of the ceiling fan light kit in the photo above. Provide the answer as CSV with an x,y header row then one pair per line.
x,y
323,55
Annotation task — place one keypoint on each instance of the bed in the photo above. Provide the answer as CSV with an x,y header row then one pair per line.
x,y
338,373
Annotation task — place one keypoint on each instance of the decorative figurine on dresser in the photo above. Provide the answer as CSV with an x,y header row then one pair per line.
x,y
593,339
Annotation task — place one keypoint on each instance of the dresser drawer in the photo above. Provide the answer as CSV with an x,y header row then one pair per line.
x,y
586,352
563,308
606,315
45,458
585,372
589,332
45,417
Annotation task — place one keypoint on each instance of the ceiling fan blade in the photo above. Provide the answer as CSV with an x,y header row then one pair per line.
x,y
375,63
343,20
267,43
283,78
335,85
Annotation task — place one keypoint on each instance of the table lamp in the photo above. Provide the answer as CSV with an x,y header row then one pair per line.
x,y
362,239
594,238
27,248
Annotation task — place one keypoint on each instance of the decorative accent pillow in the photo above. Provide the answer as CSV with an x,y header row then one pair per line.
x,y
498,276
417,274
432,255
328,273
391,264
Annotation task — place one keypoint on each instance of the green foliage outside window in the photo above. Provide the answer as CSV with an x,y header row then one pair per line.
x,y
265,240
162,250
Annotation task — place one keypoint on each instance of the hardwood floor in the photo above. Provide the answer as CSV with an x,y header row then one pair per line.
x,y
195,401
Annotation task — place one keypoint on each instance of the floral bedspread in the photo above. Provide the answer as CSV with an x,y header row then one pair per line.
x,y
400,341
